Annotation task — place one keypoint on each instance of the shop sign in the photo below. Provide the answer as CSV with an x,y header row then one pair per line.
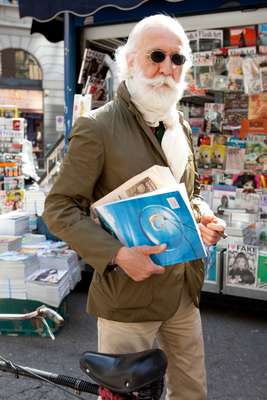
x,y
22,99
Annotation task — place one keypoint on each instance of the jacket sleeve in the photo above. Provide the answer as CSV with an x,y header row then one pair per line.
x,y
198,204
67,205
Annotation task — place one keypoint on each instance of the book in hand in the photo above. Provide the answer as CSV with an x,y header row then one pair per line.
x,y
161,216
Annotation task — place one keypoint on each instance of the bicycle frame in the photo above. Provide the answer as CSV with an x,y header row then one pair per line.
x,y
130,376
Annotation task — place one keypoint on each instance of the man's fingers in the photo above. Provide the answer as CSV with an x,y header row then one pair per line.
x,y
153,249
205,219
158,270
215,227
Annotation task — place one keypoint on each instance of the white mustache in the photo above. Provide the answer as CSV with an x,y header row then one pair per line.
x,y
162,80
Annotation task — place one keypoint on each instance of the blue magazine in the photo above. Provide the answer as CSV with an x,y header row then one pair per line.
x,y
155,218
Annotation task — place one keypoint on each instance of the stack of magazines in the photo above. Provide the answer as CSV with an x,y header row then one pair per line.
x,y
62,259
15,268
32,238
49,286
14,223
10,243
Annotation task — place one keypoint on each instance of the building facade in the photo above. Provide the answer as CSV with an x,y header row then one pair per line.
x,y
31,77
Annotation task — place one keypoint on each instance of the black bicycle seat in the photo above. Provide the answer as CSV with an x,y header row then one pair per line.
x,y
124,373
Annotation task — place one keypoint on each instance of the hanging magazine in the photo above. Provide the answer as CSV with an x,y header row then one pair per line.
x,y
92,64
210,39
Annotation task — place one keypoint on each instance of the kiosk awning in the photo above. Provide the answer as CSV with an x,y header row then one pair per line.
x,y
51,8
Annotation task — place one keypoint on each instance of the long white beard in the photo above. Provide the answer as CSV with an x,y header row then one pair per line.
x,y
155,98
158,103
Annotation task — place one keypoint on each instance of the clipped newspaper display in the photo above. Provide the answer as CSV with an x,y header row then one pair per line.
x,y
155,210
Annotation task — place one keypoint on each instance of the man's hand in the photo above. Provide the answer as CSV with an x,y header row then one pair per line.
x,y
135,261
211,229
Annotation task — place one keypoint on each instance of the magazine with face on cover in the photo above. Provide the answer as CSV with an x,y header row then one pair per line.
x,y
162,216
242,265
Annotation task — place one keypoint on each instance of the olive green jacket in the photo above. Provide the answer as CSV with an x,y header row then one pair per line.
x,y
107,148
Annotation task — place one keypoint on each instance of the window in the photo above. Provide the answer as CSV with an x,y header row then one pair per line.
x,y
17,63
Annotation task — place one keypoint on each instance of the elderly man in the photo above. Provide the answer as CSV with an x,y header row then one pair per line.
x,y
139,301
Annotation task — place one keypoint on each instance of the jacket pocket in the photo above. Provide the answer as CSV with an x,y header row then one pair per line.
x,y
119,291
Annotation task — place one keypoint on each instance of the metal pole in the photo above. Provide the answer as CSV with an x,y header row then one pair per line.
x,y
69,71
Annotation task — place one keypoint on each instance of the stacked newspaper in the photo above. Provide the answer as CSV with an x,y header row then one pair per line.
x,y
156,177
15,268
10,243
14,223
49,286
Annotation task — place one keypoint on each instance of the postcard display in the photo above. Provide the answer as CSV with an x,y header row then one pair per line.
x,y
226,105
31,267
11,179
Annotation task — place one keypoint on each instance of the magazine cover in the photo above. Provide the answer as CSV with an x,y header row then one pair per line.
x,y
218,156
81,105
252,75
205,156
243,36
262,34
204,76
197,125
242,263
193,40
92,65
235,74
236,101
223,197
155,218
214,113
235,159
210,39
12,199
263,79
262,272
249,201
256,153
257,106
211,265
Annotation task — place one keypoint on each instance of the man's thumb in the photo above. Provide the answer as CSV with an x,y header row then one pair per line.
x,y
154,249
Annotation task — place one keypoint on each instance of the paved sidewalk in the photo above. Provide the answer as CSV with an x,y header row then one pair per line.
x,y
236,352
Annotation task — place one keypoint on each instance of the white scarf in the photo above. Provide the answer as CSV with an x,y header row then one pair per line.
x,y
174,143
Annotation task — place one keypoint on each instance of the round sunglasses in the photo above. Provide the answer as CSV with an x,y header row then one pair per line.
x,y
158,56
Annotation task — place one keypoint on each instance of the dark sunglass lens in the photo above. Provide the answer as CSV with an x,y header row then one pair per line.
x,y
157,56
178,59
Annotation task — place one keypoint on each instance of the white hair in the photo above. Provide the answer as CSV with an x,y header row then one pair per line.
x,y
131,46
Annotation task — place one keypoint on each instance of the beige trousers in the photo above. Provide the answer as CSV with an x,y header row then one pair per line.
x,y
180,337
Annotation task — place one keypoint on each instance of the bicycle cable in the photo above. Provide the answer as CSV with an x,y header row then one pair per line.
x,y
16,369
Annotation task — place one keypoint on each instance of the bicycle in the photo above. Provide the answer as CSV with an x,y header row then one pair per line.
x,y
132,376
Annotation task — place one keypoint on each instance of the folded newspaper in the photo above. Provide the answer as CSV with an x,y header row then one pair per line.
x,y
152,209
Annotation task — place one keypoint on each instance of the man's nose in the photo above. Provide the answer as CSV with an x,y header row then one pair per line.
x,y
166,66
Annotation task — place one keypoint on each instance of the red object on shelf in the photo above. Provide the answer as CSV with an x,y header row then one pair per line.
x,y
253,127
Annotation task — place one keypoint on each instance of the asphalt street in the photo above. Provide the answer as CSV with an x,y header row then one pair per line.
x,y
236,351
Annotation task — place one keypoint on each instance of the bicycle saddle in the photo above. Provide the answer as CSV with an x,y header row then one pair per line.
x,y
124,373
